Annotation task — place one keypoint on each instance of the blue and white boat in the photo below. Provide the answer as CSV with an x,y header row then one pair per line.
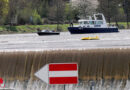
x,y
95,24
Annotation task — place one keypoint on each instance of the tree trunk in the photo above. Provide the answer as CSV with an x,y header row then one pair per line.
x,y
126,12
109,20
57,16
127,19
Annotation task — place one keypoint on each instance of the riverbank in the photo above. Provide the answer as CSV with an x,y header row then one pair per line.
x,y
30,28
33,28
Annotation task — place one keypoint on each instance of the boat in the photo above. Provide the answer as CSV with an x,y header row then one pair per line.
x,y
47,32
95,24
90,38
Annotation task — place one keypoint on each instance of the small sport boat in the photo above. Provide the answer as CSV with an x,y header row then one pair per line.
x,y
95,24
47,32
90,38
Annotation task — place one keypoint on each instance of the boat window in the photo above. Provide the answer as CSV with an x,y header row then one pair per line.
x,y
91,22
99,22
86,22
80,23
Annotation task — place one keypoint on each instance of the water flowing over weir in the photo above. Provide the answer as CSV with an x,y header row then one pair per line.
x,y
99,69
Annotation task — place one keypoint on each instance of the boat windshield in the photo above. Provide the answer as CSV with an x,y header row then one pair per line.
x,y
86,22
99,22
91,22
80,23
45,30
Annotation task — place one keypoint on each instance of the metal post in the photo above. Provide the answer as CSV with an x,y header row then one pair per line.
x,y
64,86
47,88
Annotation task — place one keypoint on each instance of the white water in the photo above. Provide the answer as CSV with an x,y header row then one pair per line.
x,y
91,85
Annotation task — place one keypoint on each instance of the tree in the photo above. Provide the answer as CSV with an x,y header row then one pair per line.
x,y
85,8
126,7
57,12
24,12
15,7
109,8
68,12
3,10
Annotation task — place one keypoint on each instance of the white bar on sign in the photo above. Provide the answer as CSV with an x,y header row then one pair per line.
x,y
63,73
7,88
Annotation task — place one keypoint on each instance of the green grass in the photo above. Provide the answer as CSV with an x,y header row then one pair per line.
x,y
30,28
122,23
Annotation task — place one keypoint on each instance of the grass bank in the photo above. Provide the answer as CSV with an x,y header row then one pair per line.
x,y
124,24
30,28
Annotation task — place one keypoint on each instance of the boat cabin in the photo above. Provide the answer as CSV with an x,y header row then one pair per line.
x,y
94,23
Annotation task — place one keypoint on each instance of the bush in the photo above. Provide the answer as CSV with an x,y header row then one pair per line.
x,y
59,29
37,18
121,26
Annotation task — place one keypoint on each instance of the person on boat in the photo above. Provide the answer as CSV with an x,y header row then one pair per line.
x,y
38,29
53,30
71,24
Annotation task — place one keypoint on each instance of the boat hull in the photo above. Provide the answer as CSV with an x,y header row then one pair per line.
x,y
79,30
48,33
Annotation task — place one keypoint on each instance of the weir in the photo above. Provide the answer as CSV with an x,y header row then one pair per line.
x,y
96,66
93,64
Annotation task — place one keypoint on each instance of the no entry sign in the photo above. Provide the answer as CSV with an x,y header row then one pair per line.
x,y
59,73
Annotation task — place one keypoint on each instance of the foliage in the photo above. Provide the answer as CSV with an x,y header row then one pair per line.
x,y
25,15
85,8
22,12
115,10
69,15
3,10
36,18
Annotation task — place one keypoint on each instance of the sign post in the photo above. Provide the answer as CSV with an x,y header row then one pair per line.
x,y
59,73
64,86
